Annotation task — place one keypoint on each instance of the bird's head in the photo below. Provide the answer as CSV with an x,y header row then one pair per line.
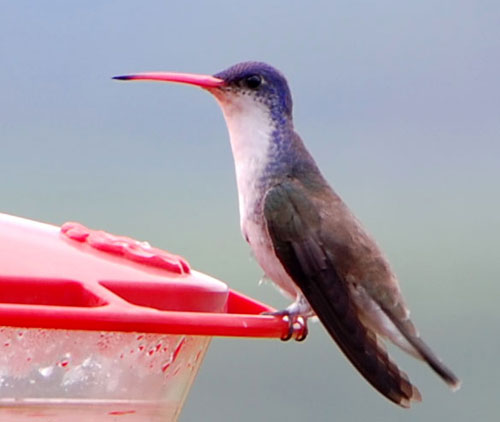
x,y
252,84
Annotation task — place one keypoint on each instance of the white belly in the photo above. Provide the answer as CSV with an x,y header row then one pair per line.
x,y
263,251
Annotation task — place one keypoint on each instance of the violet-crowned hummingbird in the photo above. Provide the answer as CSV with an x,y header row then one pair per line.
x,y
303,235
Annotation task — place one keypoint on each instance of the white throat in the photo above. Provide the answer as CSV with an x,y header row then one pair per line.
x,y
250,131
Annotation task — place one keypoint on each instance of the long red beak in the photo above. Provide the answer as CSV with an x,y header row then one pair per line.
x,y
203,81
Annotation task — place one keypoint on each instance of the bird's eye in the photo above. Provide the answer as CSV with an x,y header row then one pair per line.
x,y
253,81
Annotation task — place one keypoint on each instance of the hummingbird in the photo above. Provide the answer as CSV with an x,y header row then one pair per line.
x,y
304,236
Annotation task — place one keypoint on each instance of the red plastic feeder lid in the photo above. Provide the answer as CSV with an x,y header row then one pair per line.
x,y
80,279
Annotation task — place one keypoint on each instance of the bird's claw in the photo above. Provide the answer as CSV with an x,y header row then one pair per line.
x,y
297,325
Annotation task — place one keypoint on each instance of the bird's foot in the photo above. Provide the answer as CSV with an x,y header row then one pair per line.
x,y
297,324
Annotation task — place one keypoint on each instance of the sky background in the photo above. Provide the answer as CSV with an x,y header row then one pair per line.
x,y
398,101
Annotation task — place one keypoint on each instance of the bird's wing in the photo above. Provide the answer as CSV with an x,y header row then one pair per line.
x,y
293,223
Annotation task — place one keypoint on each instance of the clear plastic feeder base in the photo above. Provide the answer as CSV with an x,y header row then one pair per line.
x,y
66,375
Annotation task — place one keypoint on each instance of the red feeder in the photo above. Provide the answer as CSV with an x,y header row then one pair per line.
x,y
101,327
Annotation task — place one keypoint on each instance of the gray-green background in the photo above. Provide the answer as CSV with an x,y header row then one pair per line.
x,y
399,102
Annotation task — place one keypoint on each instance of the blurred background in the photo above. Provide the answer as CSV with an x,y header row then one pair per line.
x,y
400,104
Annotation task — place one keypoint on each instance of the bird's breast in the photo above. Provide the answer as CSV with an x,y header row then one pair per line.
x,y
255,232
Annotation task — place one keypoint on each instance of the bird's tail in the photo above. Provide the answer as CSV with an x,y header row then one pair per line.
x,y
409,332
331,302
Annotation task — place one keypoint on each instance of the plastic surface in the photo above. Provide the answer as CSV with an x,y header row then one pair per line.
x,y
76,278
61,375
101,327
126,247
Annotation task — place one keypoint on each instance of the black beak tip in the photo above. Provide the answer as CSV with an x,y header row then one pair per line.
x,y
122,78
